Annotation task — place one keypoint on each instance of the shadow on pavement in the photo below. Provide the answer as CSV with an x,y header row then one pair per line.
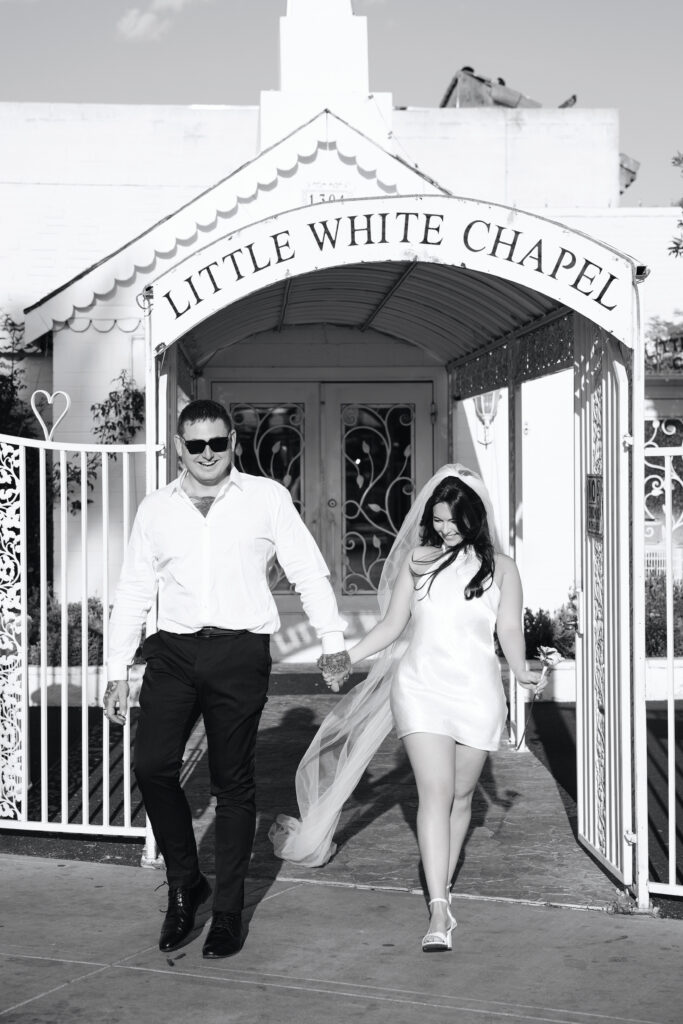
x,y
551,737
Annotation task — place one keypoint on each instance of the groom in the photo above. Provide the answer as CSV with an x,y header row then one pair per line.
x,y
202,546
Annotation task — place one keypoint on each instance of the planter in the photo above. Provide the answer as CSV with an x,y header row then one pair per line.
x,y
562,685
656,681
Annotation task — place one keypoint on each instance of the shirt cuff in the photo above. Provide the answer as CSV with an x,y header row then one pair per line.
x,y
332,643
116,670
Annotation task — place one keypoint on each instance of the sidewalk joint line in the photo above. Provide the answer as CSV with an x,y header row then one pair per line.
x,y
51,991
518,901
435,1004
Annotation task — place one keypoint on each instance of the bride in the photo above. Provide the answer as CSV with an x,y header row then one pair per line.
x,y
444,590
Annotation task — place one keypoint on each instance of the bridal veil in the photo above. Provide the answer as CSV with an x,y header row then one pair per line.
x,y
351,733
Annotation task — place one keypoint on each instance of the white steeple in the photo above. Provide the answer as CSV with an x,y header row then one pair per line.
x,y
325,47
323,64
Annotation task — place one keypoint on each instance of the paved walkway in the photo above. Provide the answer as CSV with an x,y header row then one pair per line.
x,y
78,943
342,942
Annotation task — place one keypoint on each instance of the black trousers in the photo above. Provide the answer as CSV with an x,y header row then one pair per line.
x,y
225,679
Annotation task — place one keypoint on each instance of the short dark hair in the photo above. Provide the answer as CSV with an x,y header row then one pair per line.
x,y
204,409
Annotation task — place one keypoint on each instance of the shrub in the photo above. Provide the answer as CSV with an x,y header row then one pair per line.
x,y
558,630
54,630
74,626
538,631
119,417
655,616
564,626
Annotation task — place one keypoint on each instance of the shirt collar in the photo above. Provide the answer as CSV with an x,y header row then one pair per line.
x,y
234,477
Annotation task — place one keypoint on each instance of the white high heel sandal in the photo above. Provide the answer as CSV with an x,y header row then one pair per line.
x,y
451,915
439,942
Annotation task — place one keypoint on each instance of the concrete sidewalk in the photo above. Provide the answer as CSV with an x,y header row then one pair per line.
x,y
78,943
542,935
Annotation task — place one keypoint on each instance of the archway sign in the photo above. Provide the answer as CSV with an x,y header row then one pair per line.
x,y
569,266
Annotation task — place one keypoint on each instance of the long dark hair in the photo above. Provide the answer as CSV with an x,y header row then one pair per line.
x,y
469,515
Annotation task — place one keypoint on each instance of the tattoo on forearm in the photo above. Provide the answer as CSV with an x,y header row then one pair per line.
x,y
334,663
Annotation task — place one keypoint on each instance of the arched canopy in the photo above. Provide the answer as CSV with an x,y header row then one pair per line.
x,y
449,312
469,272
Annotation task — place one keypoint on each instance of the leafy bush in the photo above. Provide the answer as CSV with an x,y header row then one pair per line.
x,y
54,630
558,630
74,626
119,417
655,616
538,631
16,415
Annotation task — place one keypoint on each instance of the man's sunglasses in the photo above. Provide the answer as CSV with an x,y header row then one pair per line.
x,y
197,446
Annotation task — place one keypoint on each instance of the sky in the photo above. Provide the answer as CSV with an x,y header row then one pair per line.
x,y
620,54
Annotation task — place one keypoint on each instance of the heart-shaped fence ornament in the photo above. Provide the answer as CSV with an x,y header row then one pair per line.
x,y
50,398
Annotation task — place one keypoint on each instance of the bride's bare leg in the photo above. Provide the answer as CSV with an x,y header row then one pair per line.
x,y
468,766
432,759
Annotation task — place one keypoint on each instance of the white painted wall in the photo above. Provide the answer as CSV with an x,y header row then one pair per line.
x,y
80,180
85,364
524,157
548,489
489,460
545,553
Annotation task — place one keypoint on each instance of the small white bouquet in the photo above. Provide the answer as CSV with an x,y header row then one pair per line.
x,y
548,657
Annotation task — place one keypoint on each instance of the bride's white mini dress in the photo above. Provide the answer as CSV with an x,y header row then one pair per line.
x,y
448,681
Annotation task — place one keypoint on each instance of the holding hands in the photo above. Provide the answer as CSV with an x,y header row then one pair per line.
x,y
336,669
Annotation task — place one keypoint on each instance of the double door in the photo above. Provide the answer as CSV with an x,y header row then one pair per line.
x,y
352,454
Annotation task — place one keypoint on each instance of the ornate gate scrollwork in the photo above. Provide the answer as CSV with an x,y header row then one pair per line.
x,y
663,523
379,482
12,764
270,442
542,350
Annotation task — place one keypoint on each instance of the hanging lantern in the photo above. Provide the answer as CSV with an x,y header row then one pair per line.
x,y
486,407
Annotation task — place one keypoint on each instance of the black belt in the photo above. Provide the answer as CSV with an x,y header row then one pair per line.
x,y
208,631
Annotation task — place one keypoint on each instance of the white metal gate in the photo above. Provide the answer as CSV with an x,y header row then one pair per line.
x,y
66,512
658,691
603,656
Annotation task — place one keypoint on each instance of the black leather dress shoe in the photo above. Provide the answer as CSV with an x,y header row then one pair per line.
x,y
225,935
183,903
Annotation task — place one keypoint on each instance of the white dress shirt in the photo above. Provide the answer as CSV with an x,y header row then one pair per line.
x,y
213,570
